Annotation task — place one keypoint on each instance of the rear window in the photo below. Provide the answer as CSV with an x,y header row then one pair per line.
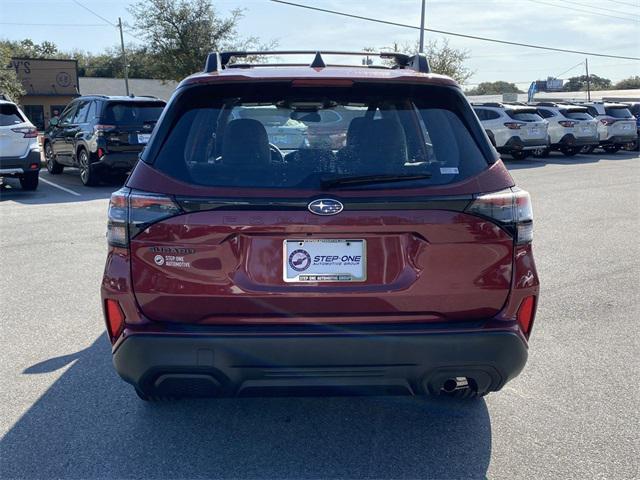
x,y
132,113
618,112
524,115
577,114
277,136
9,115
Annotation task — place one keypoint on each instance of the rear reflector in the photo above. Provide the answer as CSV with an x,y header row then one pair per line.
x,y
525,314
115,318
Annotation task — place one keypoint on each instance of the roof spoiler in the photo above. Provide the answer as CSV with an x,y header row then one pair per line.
x,y
217,61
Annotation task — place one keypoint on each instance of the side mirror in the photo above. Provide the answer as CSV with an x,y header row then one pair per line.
x,y
54,121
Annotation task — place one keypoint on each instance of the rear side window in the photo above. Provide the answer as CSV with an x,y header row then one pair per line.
x,y
524,115
132,113
618,112
592,111
578,114
9,115
281,137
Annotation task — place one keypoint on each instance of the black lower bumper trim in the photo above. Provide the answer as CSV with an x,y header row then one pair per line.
x,y
243,365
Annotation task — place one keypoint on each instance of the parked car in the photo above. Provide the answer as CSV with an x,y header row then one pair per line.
x,y
400,262
616,125
570,128
634,108
19,147
513,129
283,131
101,135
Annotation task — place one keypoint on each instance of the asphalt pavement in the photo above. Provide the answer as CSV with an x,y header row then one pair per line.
x,y
572,413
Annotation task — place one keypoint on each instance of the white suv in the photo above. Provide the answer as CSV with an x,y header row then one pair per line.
x,y
570,128
616,125
513,128
19,147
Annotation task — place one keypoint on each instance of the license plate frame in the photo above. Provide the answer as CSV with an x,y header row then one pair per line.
x,y
336,271
143,138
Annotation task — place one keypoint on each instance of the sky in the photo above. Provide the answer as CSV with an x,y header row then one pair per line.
x,y
602,26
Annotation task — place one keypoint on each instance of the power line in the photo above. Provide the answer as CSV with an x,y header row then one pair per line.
x,y
598,8
56,24
575,66
454,34
624,3
104,19
574,9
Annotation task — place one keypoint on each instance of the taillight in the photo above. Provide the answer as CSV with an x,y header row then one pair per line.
x,y
115,318
510,208
27,132
131,211
514,125
525,314
607,121
567,123
100,152
101,128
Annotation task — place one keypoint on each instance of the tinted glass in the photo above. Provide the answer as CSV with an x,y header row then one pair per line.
x,y
618,112
132,113
481,113
9,115
577,114
592,111
81,112
67,115
545,113
524,115
277,137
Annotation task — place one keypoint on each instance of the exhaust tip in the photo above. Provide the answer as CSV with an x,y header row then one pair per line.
x,y
456,383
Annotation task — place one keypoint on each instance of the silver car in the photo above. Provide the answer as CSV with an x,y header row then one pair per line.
x,y
616,125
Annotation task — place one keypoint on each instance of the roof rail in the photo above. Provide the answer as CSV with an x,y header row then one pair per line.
x,y
543,104
217,61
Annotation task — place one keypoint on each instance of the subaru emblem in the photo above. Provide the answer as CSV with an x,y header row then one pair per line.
x,y
325,206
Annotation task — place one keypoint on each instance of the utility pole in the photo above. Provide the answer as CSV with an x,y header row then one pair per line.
x,y
124,58
422,27
586,65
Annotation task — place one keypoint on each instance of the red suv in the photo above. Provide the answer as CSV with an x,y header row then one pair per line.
x,y
241,262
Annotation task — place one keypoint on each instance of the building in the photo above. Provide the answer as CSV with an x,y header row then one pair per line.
x,y
50,85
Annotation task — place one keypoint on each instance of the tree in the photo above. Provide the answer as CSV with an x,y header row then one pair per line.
x,y
10,86
494,88
180,33
29,49
443,58
579,83
628,83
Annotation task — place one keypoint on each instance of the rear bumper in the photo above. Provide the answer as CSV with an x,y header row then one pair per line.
x,y
401,361
619,140
16,166
118,161
517,144
570,140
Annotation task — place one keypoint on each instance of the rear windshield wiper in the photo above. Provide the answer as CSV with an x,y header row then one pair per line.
x,y
370,179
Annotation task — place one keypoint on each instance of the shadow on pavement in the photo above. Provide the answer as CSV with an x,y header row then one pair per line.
x,y
558,159
49,194
90,424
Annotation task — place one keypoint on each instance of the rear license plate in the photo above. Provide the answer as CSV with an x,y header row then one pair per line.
x,y
325,260
585,130
534,132
626,127
143,137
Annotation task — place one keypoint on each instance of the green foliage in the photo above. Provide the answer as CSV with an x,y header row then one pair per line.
x,y
494,88
180,34
579,83
10,86
443,58
628,83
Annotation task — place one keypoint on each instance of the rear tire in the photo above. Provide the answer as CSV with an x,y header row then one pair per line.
x,y
53,167
541,152
29,181
520,155
570,151
88,174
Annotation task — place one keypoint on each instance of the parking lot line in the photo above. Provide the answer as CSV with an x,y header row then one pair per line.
x,y
68,190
